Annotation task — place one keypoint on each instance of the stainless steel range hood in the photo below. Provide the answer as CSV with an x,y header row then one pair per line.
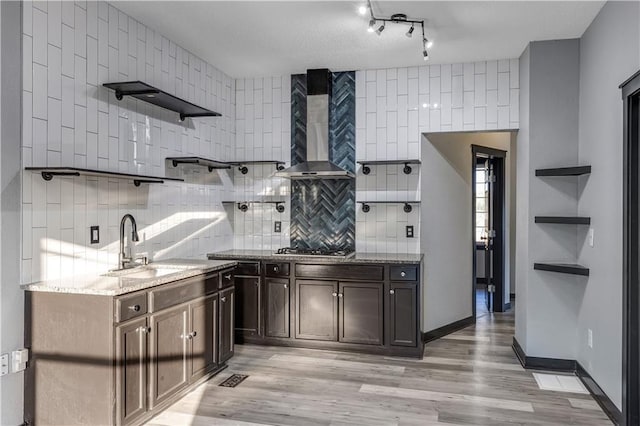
x,y
317,164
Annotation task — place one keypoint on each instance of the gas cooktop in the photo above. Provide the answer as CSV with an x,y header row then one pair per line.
x,y
293,251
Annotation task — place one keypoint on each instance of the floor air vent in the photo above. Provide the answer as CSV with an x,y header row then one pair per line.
x,y
233,381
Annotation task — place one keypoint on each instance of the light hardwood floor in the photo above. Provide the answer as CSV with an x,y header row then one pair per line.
x,y
470,377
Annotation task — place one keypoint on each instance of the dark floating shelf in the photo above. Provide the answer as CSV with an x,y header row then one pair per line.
x,y
565,171
407,205
49,172
242,165
200,161
563,268
155,96
407,169
566,220
243,206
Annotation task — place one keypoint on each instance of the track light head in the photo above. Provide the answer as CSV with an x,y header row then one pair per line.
x,y
372,24
380,29
425,55
410,32
428,44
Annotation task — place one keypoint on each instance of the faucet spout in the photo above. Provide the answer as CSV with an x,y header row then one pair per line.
x,y
123,259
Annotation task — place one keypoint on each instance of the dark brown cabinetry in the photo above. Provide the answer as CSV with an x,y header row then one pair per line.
x,y
226,318
123,359
248,310
361,315
316,310
277,309
403,316
131,381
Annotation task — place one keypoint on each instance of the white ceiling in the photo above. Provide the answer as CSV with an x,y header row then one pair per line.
x,y
264,38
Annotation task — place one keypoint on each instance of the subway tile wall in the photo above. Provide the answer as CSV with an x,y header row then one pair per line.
x,y
263,132
69,50
393,108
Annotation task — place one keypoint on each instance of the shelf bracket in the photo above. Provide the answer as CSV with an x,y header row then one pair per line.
x,y
279,166
407,208
243,207
366,170
137,182
49,175
407,169
366,208
120,94
279,207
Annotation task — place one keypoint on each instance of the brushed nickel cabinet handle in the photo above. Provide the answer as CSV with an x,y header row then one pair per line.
x,y
334,294
402,274
223,299
227,277
340,294
144,329
392,292
276,269
286,286
135,308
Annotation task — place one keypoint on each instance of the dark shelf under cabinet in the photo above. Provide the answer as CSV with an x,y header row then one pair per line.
x,y
564,171
566,220
563,268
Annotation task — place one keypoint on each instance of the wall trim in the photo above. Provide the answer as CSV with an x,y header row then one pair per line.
x,y
571,366
607,405
432,335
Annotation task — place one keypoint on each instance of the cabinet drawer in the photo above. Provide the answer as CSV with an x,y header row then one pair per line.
x,y
403,273
128,307
181,291
227,278
248,268
276,269
343,272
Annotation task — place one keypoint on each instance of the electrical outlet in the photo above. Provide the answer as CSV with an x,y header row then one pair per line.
x,y
277,226
4,364
590,338
590,237
95,234
409,231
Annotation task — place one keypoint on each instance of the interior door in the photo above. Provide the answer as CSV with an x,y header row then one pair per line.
x,y
490,234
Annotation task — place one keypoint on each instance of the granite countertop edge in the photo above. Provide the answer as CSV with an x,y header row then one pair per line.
x,y
100,285
400,258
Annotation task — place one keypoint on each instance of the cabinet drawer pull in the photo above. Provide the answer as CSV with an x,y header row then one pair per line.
x,y
227,277
392,292
144,329
276,269
334,294
286,286
403,274
223,299
135,308
340,294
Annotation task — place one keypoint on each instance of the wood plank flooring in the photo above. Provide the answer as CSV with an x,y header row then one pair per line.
x,y
469,378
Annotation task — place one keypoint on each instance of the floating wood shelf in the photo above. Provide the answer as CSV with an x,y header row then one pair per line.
x,y
564,171
566,220
49,172
563,268
407,169
242,165
243,206
155,96
407,205
205,162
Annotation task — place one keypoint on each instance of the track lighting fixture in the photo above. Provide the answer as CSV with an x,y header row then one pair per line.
x,y
410,32
397,18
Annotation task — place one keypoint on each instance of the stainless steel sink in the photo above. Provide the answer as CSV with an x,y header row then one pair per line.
x,y
144,272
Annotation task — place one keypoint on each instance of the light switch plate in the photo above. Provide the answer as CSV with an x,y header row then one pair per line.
x,y
19,360
95,234
4,364
590,237
277,226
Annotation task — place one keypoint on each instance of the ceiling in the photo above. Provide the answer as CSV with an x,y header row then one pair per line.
x,y
264,38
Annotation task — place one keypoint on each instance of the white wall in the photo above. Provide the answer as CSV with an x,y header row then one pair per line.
x,y
11,297
447,208
609,54
69,119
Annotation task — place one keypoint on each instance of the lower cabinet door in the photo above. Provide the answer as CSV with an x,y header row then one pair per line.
x,y
403,314
361,313
169,352
131,375
316,310
277,295
226,324
247,319
203,316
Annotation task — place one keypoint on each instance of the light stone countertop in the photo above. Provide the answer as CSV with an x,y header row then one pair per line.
x,y
399,258
117,283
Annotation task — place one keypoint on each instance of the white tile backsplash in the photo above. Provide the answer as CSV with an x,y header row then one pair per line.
x,y
69,119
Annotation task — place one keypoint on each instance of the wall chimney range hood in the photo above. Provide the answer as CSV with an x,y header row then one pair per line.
x,y
317,164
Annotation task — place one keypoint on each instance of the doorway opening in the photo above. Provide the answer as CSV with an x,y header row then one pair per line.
x,y
489,230
631,289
